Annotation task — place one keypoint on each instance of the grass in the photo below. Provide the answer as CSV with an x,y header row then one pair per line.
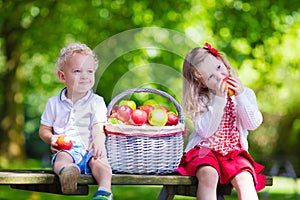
x,y
282,189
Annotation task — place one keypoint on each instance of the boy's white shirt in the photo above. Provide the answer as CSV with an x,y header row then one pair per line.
x,y
249,117
75,120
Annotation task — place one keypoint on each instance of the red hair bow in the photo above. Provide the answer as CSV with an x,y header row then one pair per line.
x,y
212,50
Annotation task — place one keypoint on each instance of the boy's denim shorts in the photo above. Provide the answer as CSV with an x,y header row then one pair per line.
x,y
80,156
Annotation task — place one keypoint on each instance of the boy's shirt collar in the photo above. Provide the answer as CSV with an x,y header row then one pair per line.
x,y
63,96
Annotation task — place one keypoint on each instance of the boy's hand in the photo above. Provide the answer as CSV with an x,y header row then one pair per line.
x,y
99,148
53,145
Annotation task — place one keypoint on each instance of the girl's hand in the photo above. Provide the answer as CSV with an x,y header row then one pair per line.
x,y
53,145
236,85
221,89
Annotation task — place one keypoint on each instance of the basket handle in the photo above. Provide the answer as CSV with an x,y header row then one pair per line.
x,y
151,90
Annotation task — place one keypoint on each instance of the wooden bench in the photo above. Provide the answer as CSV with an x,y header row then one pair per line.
x,y
47,181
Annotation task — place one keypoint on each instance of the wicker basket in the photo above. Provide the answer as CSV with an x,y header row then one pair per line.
x,y
144,149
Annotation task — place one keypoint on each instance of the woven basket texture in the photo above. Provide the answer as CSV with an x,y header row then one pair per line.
x,y
144,149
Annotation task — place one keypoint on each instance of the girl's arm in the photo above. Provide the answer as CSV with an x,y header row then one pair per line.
x,y
247,110
208,122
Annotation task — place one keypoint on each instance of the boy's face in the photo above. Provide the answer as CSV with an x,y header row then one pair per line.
x,y
78,74
213,71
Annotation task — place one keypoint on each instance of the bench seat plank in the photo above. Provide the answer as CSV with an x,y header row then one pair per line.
x,y
48,177
47,181
8,177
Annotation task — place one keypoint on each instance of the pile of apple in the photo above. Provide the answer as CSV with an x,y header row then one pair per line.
x,y
148,114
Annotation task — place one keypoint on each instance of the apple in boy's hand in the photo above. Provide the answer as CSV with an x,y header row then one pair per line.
x,y
124,113
64,143
158,117
139,117
230,91
129,103
172,119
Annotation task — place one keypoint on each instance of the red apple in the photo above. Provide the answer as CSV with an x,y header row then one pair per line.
x,y
164,108
64,143
158,117
114,115
129,103
130,122
146,108
230,91
114,109
139,117
124,112
172,119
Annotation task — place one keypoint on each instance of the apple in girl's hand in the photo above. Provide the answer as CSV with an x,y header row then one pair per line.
x,y
172,119
230,91
64,143
158,117
139,117
146,108
124,113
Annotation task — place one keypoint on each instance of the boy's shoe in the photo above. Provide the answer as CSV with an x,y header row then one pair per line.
x,y
102,195
68,179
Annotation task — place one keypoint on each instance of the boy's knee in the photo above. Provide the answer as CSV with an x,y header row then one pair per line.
x,y
100,164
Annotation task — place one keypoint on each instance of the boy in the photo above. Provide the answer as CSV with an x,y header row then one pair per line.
x,y
80,115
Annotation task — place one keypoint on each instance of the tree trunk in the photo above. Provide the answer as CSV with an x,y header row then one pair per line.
x,y
12,116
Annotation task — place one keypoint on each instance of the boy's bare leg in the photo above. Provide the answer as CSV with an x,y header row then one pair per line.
x,y
102,172
68,172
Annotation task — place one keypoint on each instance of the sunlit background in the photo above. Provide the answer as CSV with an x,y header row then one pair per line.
x,y
142,44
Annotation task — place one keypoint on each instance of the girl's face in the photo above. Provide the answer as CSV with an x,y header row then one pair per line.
x,y
78,75
212,72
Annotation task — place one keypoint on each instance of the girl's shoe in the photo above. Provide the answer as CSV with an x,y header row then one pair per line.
x,y
68,179
102,195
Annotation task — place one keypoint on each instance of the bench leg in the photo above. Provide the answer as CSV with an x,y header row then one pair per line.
x,y
169,191
166,193
220,197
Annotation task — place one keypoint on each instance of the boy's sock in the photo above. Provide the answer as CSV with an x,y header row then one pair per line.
x,y
68,178
102,194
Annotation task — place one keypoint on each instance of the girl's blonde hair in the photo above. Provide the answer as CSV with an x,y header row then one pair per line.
x,y
71,50
196,96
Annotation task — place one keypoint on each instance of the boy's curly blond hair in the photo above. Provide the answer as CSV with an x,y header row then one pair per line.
x,y
72,49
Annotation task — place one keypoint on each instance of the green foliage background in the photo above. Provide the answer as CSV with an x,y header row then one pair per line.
x,y
260,38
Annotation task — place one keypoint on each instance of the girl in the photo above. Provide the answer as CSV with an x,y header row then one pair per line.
x,y
217,151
